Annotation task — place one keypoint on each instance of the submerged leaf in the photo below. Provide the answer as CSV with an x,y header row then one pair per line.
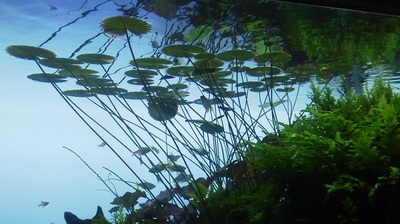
x,y
118,25
163,109
211,128
47,77
96,58
29,52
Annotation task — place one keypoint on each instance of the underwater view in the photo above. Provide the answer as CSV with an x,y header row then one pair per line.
x,y
180,111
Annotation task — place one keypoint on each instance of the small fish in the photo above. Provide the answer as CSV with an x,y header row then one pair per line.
x,y
102,144
174,158
200,151
206,103
183,177
146,185
157,168
52,8
176,168
144,150
43,204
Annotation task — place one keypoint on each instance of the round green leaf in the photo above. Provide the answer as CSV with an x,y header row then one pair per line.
x,y
151,63
262,71
118,25
181,50
46,77
78,93
96,58
61,63
274,57
241,55
29,52
162,109
180,71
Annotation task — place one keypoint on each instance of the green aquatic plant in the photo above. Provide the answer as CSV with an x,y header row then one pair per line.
x,y
338,163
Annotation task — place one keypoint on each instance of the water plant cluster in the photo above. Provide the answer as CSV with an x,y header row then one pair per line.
x,y
209,118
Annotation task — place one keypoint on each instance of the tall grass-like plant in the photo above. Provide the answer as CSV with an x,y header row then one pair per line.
x,y
186,113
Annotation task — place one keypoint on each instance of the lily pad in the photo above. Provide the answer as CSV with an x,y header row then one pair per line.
x,y
47,77
182,50
135,95
250,84
78,73
285,90
96,58
162,109
151,63
108,90
177,86
231,94
142,81
61,63
138,73
211,128
208,63
273,57
118,25
78,93
263,71
240,55
180,71
205,55
95,82
29,52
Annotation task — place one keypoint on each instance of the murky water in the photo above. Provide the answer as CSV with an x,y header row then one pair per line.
x,y
155,80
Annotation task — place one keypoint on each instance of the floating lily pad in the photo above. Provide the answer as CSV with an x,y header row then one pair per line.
x,y
241,55
205,55
138,73
177,86
162,109
231,94
142,81
259,89
263,71
78,93
239,69
95,82
61,63
272,57
285,90
135,95
78,73
211,128
29,52
155,89
181,50
108,90
180,71
96,58
250,84
46,77
216,81
208,63
118,25
151,63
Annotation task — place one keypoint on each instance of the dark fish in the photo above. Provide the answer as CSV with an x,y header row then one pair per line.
x,y
157,168
43,204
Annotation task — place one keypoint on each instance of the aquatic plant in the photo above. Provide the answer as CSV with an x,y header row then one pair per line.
x,y
338,163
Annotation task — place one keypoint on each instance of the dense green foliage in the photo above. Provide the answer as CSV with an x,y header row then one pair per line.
x,y
339,163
